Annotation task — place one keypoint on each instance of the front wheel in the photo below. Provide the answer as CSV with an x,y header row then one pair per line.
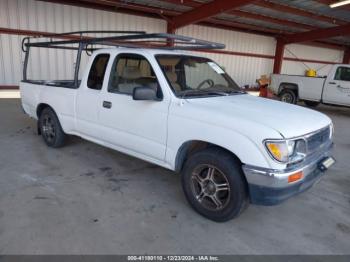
x,y
288,96
50,128
214,185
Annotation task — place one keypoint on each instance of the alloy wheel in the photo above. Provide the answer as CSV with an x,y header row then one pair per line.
x,y
48,128
210,187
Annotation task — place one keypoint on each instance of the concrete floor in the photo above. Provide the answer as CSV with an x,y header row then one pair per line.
x,y
86,199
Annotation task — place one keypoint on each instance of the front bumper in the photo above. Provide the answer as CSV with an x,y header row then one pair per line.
x,y
271,187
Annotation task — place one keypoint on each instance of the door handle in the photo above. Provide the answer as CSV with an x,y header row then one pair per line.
x,y
107,104
332,83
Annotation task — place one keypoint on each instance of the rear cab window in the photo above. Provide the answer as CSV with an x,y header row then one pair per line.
x,y
342,73
97,72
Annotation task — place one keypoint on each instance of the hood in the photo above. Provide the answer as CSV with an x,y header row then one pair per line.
x,y
289,120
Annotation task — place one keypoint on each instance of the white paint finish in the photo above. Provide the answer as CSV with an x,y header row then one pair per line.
x,y
326,89
336,91
156,130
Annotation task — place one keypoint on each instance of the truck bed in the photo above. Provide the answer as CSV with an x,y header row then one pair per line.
x,y
309,88
62,98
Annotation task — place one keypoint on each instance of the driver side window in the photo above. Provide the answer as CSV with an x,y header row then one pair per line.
x,y
202,71
130,71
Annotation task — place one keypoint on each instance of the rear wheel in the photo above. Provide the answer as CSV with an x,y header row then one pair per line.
x,y
51,129
214,184
311,103
288,96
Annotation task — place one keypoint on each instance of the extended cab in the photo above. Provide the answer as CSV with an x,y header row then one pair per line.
x,y
184,113
334,89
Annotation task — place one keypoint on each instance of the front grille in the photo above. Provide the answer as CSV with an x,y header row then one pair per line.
x,y
318,140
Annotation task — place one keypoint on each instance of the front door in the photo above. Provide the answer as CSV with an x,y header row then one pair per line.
x,y
337,89
136,126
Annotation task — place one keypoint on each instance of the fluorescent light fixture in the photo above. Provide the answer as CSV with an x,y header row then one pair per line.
x,y
340,3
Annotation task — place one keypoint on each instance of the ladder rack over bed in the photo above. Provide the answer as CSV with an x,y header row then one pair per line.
x,y
83,41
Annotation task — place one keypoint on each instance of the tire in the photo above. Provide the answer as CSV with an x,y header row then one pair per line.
x,y
288,96
311,103
202,172
50,128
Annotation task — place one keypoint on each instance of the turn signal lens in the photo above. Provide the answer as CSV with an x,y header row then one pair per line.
x,y
287,151
278,150
295,177
275,150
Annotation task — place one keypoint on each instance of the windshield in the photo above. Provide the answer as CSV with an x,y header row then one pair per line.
x,y
193,76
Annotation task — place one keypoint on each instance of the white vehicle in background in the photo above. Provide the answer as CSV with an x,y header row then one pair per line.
x,y
334,89
184,113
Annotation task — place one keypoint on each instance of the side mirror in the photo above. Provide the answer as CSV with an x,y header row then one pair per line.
x,y
144,93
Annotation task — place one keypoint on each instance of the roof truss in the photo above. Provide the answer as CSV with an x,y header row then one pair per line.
x,y
205,14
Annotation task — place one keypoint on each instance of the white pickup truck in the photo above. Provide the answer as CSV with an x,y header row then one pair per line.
x,y
334,89
184,113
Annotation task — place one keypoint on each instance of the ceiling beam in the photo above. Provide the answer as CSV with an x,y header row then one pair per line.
x,y
119,7
300,12
166,14
270,19
246,14
206,11
249,27
133,6
189,3
318,34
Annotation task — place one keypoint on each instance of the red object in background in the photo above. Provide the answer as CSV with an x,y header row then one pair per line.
x,y
263,91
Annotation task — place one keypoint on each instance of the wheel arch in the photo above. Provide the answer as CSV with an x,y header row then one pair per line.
x,y
41,107
290,86
39,110
188,148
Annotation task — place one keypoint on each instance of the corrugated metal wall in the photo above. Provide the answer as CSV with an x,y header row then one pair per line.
x,y
309,52
245,70
47,17
40,16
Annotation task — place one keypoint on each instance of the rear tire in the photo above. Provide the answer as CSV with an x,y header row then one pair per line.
x,y
50,128
311,103
288,96
214,185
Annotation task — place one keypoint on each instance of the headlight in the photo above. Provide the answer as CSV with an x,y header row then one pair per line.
x,y
287,151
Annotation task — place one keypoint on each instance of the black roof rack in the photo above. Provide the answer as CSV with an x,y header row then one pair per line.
x,y
133,39
81,41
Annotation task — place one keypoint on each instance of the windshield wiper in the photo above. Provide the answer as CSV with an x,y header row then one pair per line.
x,y
202,92
236,92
